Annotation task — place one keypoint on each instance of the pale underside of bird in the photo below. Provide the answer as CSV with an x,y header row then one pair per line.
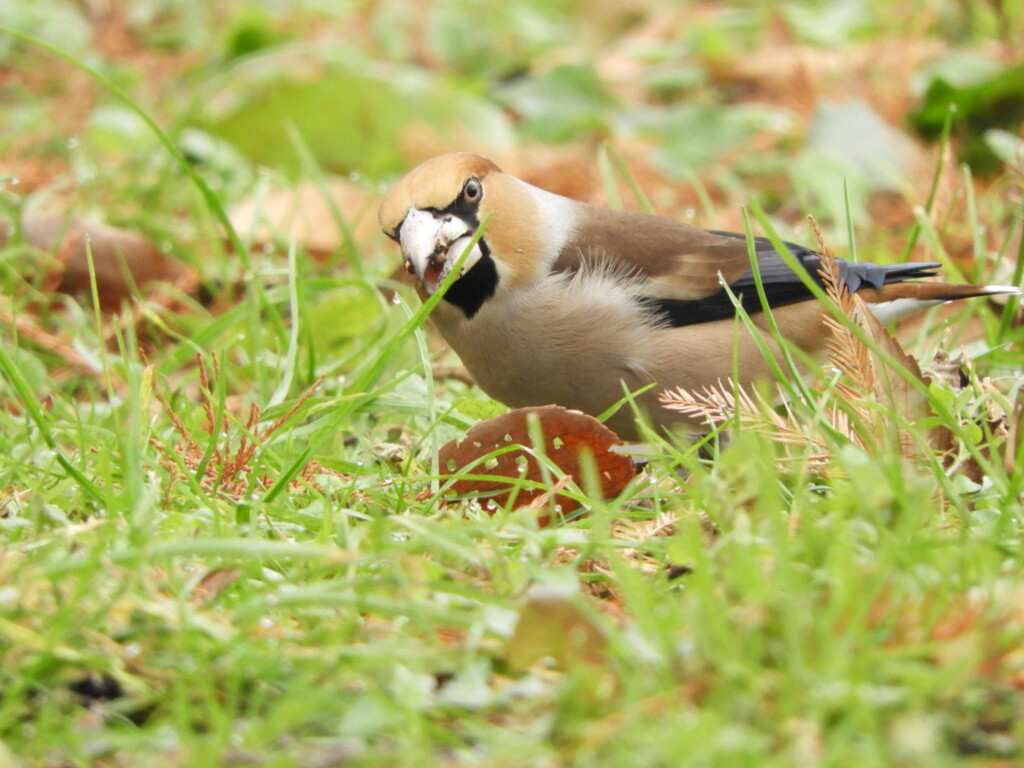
x,y
568,303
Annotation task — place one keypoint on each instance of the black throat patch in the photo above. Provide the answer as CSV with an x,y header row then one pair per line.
x,y
478,284
470,291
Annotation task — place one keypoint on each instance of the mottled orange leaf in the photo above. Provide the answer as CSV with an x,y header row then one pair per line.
x,y
567,435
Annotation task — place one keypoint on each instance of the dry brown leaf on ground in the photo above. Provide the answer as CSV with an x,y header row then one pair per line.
x,y
312,216
794,74
567,435
212,583
576,173
28,329
124,261
554,623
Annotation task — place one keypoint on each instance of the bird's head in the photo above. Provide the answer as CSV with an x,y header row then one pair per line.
x,y
435,210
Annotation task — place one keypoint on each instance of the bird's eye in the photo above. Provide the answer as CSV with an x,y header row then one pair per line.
x,y
472,191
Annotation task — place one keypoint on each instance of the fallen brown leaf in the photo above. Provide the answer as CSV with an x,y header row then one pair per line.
x,y
567,434
61,345
213,583
124,261
317,219
553,624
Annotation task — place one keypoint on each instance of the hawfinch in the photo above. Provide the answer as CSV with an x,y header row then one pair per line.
x,y
567,303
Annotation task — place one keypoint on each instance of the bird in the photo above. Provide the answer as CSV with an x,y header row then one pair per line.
x,y
567,303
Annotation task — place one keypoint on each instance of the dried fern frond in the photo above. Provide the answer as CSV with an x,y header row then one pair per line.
x,y
881,399
726,401
715,404
847,354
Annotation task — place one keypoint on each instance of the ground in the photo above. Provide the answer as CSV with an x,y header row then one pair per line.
x,y
226,532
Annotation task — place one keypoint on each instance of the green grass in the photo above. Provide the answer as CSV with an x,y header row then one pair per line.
x,y
170,597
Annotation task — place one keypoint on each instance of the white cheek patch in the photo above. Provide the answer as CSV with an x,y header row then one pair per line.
x,y
418,237
432,244
456,249
451,231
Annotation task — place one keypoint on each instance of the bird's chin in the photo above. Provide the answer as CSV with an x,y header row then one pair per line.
x,y
436,270
433,275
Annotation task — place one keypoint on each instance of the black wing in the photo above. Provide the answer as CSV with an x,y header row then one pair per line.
x,y
782,285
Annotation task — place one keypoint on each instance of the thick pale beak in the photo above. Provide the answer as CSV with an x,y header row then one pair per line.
x,y
432,243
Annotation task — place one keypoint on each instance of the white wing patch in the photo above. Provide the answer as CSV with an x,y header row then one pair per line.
x,y
891,311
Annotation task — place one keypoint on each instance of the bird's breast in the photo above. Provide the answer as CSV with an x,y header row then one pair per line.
x,y
570,340
582,340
